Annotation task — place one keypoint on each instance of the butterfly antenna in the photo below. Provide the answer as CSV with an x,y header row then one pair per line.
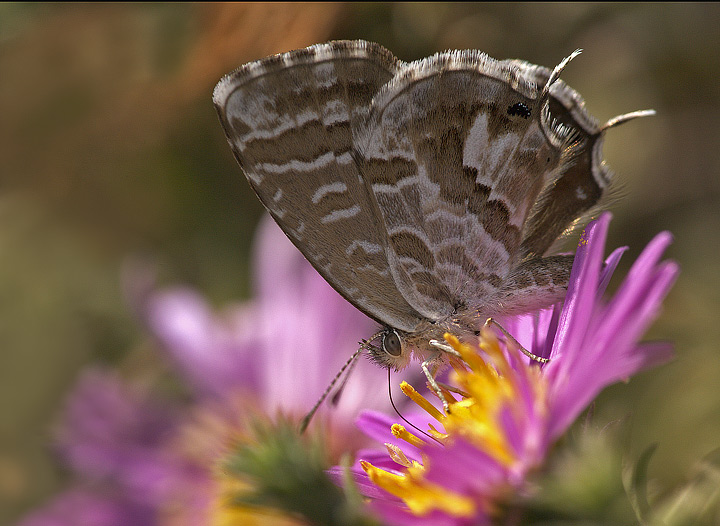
x,y
335,398
556,73
621,119
567,134
392,402
308,417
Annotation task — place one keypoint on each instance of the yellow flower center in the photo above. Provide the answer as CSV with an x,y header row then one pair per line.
x,y
490,386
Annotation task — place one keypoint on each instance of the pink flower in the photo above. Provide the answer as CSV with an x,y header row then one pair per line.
x,y
283,347
145,459
512,411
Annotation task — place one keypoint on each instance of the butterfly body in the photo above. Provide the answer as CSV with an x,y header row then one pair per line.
x,y
426,193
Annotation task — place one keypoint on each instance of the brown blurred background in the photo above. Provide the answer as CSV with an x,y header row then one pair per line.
x,y
110,147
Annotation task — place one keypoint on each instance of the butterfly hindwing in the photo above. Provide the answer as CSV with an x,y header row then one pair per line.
x,y
455,155
289,121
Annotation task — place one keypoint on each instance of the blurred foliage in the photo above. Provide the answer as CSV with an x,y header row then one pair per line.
x,y
587,481
279,469
110,147
581,483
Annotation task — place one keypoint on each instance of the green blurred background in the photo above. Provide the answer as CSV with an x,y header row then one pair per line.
x,y
110,147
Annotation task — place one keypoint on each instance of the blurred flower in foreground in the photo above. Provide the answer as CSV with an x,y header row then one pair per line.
x,y
140,458
506,412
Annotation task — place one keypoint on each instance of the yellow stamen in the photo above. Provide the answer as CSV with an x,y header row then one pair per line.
x,y
416,397
437,434
400,432
421,497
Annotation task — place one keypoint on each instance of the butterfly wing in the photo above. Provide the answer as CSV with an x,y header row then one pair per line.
x,y
289,120
455,154
585,176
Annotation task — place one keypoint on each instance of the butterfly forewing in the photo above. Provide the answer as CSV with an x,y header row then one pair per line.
x,y
289,121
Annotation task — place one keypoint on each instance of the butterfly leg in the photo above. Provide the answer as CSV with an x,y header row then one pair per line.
x,y
453,389
433,383
444,347
491,322
535,283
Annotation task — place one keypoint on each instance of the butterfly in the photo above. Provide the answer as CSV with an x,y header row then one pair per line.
x,y
426,193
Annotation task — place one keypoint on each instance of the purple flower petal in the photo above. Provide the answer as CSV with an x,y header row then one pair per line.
x,y
579,302
285,346
591,344
214,352
601,356
608,270
111,433
361,479
461,475
91,508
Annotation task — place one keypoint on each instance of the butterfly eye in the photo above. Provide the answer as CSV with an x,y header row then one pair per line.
x,y
391,343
